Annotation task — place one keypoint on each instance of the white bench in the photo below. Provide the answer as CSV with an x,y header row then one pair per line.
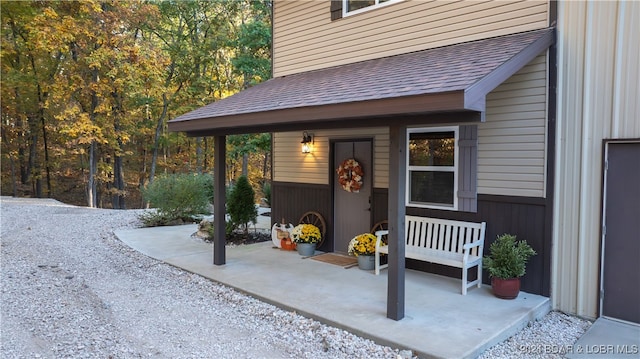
x,y
452,243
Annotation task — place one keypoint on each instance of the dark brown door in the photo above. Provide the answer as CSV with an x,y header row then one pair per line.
x,y
352,210
621,241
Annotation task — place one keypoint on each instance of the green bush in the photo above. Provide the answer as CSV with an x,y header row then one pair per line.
x,y
178,197
241,205
508,257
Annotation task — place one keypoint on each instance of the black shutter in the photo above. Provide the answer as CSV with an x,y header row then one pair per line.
x,y
336,9
468,168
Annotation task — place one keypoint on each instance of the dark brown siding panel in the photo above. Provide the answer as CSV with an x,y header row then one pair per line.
x,y
524,217
336,9
291,200
379,208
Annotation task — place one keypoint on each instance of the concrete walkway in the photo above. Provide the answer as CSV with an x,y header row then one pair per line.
x,y
607,338
439,322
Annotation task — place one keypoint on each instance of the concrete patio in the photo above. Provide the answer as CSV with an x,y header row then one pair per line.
x,y
439,322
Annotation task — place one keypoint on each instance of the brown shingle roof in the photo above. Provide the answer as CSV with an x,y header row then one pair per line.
x,y
450,78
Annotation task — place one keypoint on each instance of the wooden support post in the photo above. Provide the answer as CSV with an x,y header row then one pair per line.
x,y
219,199
397,211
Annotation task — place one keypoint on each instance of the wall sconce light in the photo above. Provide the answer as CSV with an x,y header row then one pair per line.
x,y
307,142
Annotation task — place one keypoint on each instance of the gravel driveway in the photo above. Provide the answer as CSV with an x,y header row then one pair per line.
x,y
71,289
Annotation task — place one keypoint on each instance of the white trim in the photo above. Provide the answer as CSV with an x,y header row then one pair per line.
x,y
377,5
454,168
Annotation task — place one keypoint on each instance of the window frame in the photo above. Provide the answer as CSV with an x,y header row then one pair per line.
x,y
377,5
455,168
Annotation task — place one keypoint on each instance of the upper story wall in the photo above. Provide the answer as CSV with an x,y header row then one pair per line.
x,y
305,38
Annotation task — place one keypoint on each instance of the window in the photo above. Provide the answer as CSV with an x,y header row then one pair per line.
x,y
350,7
432,176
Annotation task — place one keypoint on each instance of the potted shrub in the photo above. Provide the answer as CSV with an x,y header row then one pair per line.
x,y
363,246
306,236
506,263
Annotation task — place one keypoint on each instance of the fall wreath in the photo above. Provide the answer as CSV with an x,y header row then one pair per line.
x,y
350,175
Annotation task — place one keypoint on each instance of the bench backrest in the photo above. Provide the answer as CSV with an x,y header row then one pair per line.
x,y
443,234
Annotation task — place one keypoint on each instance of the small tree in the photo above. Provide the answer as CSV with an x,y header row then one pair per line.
x,y
241,205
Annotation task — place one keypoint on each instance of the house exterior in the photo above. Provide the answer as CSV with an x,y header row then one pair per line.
x,y
454,110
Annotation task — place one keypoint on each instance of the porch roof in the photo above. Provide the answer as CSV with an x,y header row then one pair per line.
x,y
451,79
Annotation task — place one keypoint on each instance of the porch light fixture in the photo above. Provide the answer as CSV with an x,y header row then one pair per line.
x,y
307,142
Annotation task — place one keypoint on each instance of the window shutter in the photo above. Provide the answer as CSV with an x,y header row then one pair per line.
x,y
468,168
336,9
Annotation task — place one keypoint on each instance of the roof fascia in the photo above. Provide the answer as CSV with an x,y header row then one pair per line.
x,y
475,95
340,112
442,118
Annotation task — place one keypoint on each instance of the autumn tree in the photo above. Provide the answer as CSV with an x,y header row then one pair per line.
x,y
87,89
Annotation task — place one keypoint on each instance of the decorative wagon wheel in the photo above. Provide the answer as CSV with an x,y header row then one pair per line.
x,y
382,225
315,218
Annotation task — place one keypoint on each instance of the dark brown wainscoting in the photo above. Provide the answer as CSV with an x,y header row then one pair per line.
x,y
291,200
522,216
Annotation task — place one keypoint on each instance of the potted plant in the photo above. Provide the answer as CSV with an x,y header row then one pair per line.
x,y
306,236
506,263
363,246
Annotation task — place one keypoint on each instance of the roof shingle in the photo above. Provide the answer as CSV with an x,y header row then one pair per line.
x,y
456,68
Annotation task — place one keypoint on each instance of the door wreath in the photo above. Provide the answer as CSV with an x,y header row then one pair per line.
x,y
350,175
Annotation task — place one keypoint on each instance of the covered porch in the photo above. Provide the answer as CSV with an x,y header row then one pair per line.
x,y
440,86
439,322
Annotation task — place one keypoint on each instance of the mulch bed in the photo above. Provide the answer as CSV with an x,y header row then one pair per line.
x,y
238,238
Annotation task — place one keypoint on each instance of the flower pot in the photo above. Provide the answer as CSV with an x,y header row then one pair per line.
x,y
505,288
306,249
366,262
287,244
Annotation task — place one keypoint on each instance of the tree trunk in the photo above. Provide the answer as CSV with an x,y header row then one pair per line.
x,y
47,166
92,188
156,141
245,165
118,182
34,164
199,155
265,166
92,198
118,171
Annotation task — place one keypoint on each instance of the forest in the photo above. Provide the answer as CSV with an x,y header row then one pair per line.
x,y
87,88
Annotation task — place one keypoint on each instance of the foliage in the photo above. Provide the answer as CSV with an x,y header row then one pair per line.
x,y
363,244
87,88
178,197
508,257
241,205
306,233
266,191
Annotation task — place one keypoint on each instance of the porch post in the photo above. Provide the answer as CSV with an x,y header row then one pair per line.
x,y
219,199
397,188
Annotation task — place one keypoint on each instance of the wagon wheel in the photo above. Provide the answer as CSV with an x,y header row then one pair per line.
x,y
316,219
382,225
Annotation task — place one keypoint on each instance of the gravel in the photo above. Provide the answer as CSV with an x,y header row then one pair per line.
x,y
71,289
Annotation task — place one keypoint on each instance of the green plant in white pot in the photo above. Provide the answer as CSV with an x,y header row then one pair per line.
x,y
506,263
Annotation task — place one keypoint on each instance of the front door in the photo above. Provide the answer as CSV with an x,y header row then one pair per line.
x,y
621,233
352,208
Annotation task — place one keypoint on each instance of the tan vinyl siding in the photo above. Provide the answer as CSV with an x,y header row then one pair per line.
x,y
291,165
512,141
305,38
598,91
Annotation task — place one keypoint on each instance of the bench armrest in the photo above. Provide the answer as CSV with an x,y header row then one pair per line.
x,y
473,244
379,235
